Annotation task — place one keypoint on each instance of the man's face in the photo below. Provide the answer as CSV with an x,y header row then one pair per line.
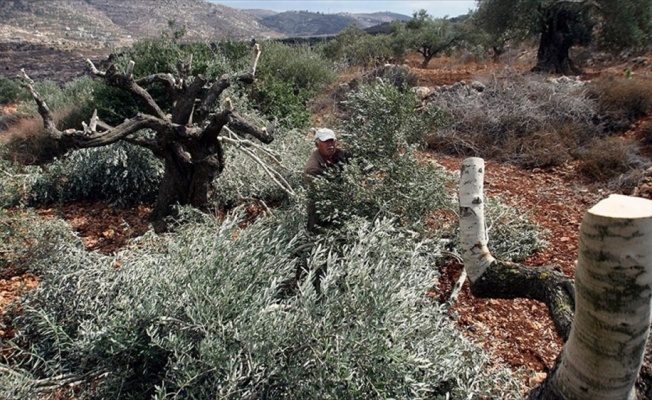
x,y
326,148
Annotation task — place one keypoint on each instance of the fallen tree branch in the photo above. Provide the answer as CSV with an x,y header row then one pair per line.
x,y
243,145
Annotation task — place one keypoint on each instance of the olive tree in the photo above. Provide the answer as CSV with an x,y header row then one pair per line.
x,y
562,24
187,135
428,36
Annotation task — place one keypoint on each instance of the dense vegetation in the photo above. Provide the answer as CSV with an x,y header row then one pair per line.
x,y
210,309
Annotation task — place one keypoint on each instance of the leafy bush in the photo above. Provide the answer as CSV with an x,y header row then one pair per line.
x,y
120,173
209,321
73,95
13,185
621,101
288,77
11,92
384,178
353,46
166,54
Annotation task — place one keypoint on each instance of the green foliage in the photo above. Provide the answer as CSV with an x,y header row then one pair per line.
x,y
353,46
383,120
209,321
165,55
11,92
73,99
120,173
288,77
629,24
621,25
428,36
285,102
12,186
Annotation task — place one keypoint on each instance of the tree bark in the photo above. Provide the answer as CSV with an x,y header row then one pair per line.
x,y
557,38
613,285
492,278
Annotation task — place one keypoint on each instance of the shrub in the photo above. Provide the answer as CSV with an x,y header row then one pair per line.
x,y
288,77
14,184
382,129
210,323
120,173
354,47
606,158
620,101
11,92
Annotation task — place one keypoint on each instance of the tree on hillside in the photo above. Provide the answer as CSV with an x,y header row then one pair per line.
x,y
611,300
188,136
428,36
562,24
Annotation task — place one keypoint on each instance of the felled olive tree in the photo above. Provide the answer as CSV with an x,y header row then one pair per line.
x,y
188,137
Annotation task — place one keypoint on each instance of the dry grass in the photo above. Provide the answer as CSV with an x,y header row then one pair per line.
x,y
621,101
607,158
26,142
646,134
518,118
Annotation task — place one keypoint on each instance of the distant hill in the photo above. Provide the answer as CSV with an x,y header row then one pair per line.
x,y
118,22
305,23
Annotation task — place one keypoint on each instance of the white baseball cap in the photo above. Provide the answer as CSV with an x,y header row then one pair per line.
x,y
324,134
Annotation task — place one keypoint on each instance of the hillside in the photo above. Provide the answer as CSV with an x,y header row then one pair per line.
x,y
111,23
304,23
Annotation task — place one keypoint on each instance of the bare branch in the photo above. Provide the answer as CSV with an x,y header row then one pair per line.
x,y
211,97
167,80
126,82
239,124
94,70
129,71
43,109
246,147
256,57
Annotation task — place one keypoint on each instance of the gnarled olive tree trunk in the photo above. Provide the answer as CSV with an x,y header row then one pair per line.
x,y
564,25
188,139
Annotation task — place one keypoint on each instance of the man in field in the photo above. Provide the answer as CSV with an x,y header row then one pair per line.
x,y
326,156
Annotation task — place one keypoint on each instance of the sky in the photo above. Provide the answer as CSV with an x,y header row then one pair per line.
x,y
436,8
